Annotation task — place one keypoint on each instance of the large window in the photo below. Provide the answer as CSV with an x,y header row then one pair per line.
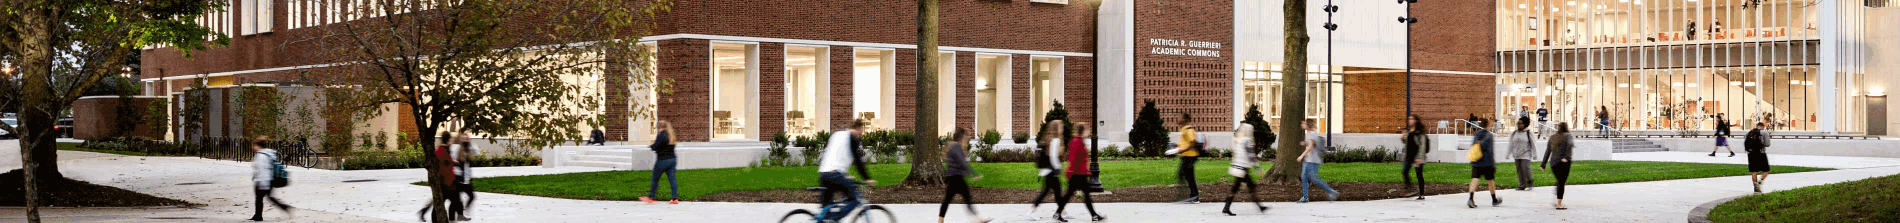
x,y
805,69
874,87
1045,87
1260,84
992,93
1557,23
734,91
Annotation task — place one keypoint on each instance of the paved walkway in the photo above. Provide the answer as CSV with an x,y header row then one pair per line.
x,y
329,198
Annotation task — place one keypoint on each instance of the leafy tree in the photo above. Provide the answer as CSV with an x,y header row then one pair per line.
x,y
531,69
1293,96
1148,134
63,48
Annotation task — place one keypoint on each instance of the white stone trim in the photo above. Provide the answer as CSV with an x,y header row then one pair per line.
x,y
855,44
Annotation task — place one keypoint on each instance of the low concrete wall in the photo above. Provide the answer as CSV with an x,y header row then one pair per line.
x,y
1888,148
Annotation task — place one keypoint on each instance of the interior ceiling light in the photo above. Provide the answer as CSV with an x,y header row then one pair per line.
x,y
1553,9
1575,2
1623,1
1521,6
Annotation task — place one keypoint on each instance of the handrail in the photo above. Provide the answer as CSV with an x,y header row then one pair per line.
x,y
1474,125
1612,129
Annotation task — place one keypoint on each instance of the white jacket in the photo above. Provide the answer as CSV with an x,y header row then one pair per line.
x,y
260,163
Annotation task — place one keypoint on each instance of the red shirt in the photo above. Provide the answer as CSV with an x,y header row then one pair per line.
x,y
446,162
1078,157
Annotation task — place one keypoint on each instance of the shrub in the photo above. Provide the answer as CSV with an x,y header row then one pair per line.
x,y
1148,134
1056,112
405,159
811,147
139,144
1362,154
1263,136
886,146
986,145
776,154
1020,137
1010,156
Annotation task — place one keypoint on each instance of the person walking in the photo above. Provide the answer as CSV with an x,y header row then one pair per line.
x,y
1242,169
1523,152
267,170
1721,135
665,162
445,162
956,160
1189,151
1048,167
1603,120
842,154
1757,147
463,152
1483,164
1312,158
1417,145
1078,170
1557,154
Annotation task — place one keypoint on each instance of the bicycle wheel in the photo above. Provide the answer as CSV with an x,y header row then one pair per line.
x,y
799,216
873,214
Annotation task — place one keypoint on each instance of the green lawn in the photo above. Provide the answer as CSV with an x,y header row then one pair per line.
x,y
630,185
1868,200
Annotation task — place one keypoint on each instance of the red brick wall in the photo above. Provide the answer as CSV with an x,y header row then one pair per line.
x,y
1374,102
841,75
1458,36
1078,89
965,23
966,90
98,118
1202,86
771,89
1020,97
687,62
618,100
906,94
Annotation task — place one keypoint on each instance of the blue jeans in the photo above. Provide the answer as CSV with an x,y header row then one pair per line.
x,y
836,182
1310,176
670,167
1605,128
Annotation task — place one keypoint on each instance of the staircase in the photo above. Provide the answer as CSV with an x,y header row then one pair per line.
x,y
620,159
1625,145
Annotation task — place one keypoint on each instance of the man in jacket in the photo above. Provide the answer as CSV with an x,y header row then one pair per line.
x,y
842,154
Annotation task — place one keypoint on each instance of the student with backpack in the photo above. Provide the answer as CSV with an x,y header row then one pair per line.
x,y
1241,168
269,175
1049,166
1314,157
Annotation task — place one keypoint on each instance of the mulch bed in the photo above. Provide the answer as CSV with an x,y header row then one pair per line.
x,y
1209,193
64,192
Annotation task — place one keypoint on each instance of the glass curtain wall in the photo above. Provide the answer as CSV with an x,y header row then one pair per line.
x,y
1555,23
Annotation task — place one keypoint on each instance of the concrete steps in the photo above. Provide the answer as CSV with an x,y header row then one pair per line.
x,y
1634,146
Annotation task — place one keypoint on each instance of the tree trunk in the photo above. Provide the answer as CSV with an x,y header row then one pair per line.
x,y
1286,166
36,120
427,141
926,155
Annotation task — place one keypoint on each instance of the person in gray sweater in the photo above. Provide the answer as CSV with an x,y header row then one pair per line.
x,y
1523,151
264,167
956,162
1559,150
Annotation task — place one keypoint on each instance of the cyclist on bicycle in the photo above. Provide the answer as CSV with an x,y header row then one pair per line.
x,y
842,153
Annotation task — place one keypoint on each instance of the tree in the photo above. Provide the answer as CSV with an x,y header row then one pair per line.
x,y
1148,134
1286,167
64,48
1261,130
531,69
926,154
1055,113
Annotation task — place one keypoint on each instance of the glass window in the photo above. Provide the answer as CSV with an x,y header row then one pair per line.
x,y
1046,87
734,84
873,87
992,93
805,69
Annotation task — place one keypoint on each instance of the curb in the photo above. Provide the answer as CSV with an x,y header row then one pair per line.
x,y
1701,212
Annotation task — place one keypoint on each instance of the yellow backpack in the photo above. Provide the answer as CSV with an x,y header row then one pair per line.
x,y
1476,152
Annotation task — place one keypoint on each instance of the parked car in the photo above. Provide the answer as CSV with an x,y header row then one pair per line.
x,y
15,123
64,127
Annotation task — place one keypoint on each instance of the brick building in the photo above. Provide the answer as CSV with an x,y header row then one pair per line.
x,y
743,70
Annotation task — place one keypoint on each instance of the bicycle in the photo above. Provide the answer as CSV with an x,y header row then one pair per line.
x,y
299,154
865,213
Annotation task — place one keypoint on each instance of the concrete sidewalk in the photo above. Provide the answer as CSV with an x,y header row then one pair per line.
x,y
386,195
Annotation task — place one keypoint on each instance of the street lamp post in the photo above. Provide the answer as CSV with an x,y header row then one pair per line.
x,y
1408,20
1330,27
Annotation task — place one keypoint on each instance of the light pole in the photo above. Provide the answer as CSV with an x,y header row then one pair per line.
x,y
1330,27
1408,20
